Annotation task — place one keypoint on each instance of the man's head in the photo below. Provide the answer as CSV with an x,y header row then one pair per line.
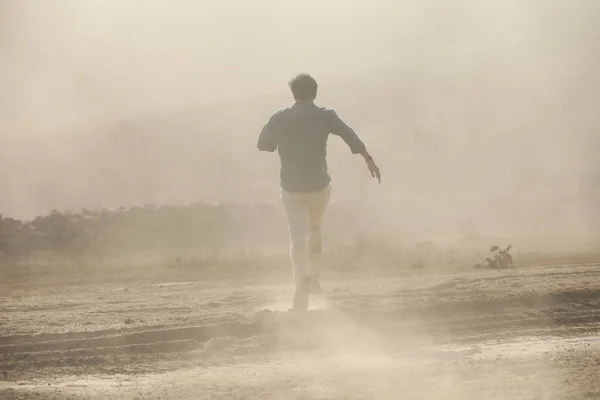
x,y
304,87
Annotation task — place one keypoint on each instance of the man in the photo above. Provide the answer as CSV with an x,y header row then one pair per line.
x,y
300,133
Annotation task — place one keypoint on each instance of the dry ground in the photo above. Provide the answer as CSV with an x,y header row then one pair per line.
x,y
199,332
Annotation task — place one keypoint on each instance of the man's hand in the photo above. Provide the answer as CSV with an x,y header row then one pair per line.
x,y
374,169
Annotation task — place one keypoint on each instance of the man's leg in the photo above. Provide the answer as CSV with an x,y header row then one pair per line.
x,y
317,206
296,212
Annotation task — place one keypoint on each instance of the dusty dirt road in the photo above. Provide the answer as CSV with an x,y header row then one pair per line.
x,y
522,333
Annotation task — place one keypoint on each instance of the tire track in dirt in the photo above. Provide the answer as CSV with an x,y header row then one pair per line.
x,y
513,302
144,339
468,308
474,319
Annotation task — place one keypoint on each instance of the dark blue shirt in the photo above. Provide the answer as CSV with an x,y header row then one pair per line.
x,y
300,133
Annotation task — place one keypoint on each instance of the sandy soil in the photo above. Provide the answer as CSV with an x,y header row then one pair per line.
x,y
524,333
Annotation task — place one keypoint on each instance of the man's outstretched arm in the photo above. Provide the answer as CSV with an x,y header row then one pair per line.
x,y
373,168
266,140
341,129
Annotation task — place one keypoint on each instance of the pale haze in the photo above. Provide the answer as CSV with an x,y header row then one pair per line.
x,y
481,108
147,250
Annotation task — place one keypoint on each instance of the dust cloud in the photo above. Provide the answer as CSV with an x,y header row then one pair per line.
x,y
481,114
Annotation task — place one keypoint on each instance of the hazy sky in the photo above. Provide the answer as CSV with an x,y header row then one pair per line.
x,y
70,59
107,103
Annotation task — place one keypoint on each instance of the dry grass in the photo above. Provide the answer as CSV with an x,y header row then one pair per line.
x,y
383,256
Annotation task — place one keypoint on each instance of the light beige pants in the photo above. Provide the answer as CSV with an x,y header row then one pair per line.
x,y
304,213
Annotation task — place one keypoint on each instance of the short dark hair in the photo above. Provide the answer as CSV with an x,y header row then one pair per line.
x,y
304,87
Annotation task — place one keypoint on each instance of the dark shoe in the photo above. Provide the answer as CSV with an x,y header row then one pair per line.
x,y
301,296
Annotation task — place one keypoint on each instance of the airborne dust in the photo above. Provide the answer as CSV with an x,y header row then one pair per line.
x,y
482,116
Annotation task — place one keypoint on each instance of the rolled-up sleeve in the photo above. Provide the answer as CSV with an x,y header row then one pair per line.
x,y
341,129
266,139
